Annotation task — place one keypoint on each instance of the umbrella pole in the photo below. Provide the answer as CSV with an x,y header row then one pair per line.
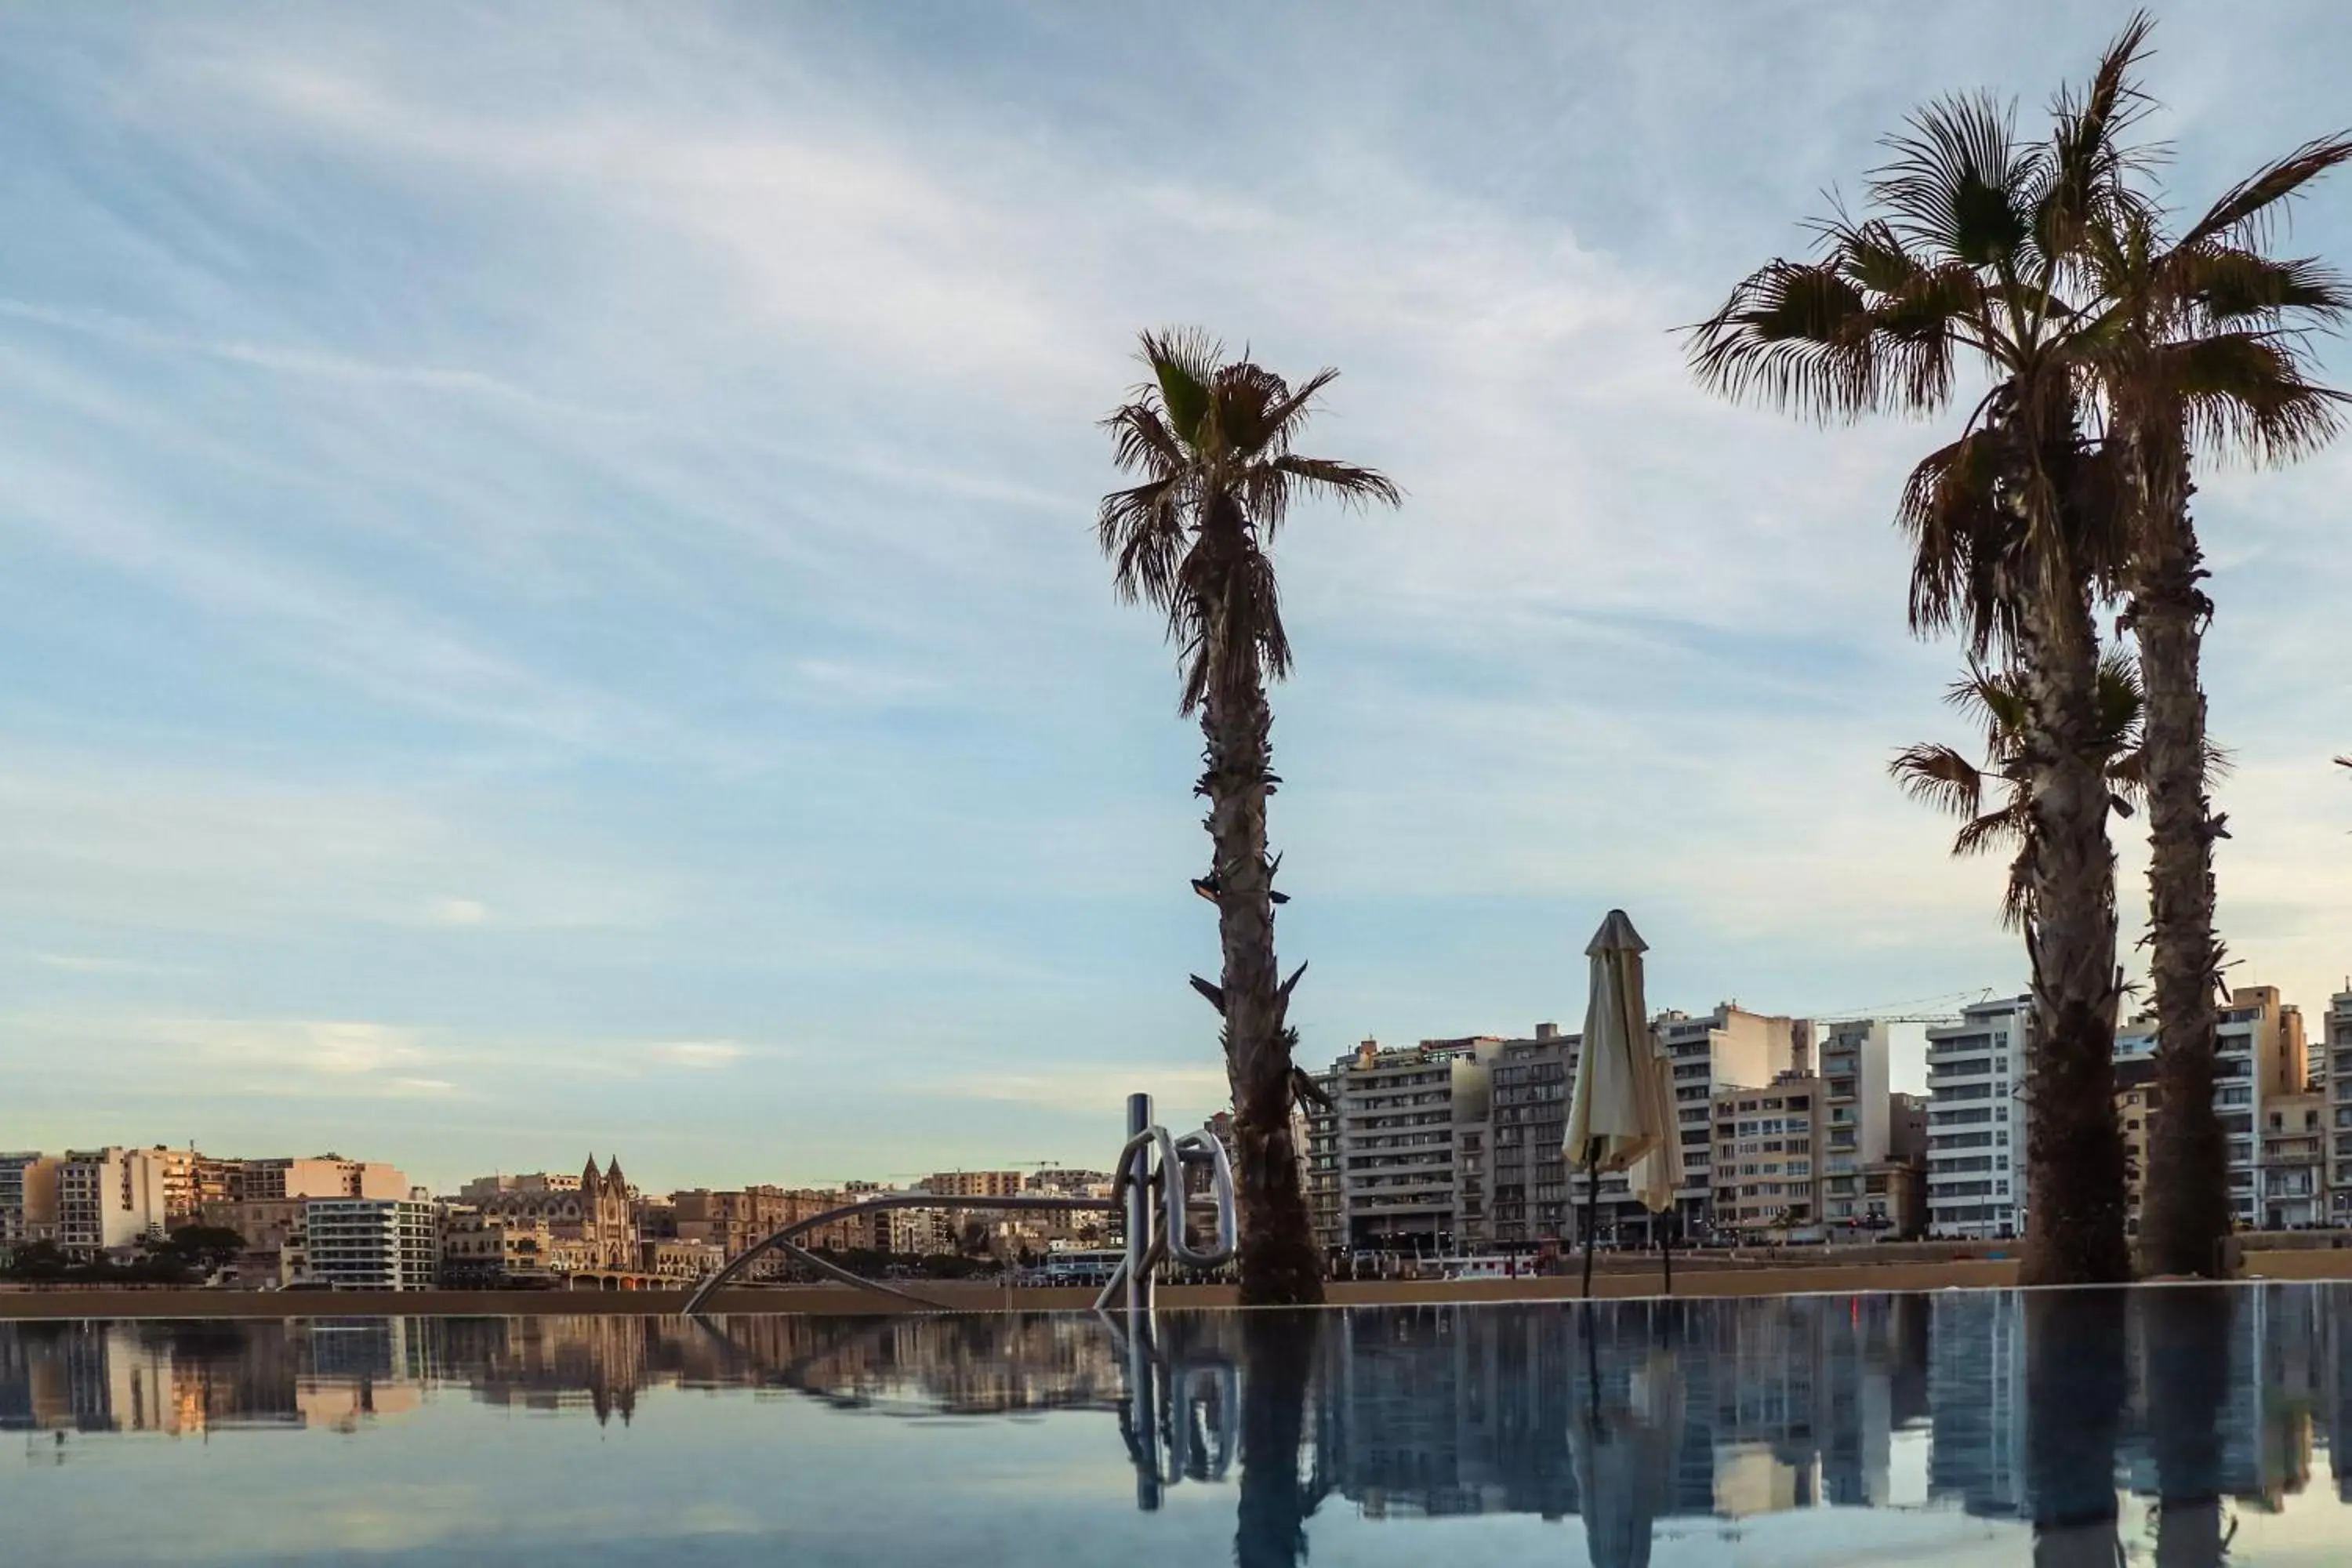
x,y
1667,1222
1592,1204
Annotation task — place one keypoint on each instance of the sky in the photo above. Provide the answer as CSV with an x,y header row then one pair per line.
x,y
548,601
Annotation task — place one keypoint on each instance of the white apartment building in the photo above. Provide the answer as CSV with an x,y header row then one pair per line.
x,y
1854,1069
2336,1054
371,1244
1975,1121
2259,1058
2259,1050
111,1197
29,1198
1400,1161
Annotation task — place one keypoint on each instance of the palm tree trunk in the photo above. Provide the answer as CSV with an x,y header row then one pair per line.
x,y
2075,1147
1279,1263
2187,1211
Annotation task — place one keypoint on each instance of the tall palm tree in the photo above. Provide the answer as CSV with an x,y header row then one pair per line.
x,y
1946,778
1212,440
2015,541
2197,347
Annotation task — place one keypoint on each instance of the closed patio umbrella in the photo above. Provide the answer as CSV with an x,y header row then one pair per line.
x,y
1621,1115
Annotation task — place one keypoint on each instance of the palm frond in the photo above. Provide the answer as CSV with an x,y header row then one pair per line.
x,y
2008,828
1955,178
2088,157
2246,392
1996,705
1241,398
1958,533
2118,704
1233,610
1288,413
1143,530
2248,210
2231,286
1940,777
1268,489
1141,440
1183,365
1794,333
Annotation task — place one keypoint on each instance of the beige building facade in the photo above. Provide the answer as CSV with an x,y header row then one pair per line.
x,y
29,1198
1768,1151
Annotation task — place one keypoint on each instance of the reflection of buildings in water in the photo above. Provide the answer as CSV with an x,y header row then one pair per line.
x,y
960,1366
190,1379
596,1363
2285,1385
1976,1401
1786,1402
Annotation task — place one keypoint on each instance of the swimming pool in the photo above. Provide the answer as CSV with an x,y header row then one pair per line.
x,y
1950,1428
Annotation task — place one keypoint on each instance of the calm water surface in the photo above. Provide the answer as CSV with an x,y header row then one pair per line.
x,y
2174,1426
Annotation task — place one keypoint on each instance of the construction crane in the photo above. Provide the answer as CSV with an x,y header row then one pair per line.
x,y
1966,998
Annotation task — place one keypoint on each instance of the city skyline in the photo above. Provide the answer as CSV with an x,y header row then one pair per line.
x,y
552,604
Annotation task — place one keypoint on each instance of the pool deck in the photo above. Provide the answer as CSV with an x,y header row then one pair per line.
x,y
1694,1278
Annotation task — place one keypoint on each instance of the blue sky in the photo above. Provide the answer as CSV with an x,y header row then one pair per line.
x,y
548,601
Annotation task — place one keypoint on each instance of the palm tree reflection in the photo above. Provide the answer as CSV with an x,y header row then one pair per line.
x,y
1277,1361
2076,1377
2187,1332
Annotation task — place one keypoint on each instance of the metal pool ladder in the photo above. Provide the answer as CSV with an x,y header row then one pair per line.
x,y
1148,1187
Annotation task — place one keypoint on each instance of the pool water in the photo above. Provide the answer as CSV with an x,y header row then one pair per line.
x,y
2172,1426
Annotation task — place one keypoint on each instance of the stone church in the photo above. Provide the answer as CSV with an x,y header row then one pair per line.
x,y
597,1222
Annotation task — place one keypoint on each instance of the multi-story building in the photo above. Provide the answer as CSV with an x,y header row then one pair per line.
x,y
1770,1148
1895,1198
315,1176
371,1244
1729,1049
2294,1161
1853,1067
1906,1127
484,1251
2137,1100
110,1198
266,1224
502,1185
1410,1145
2335,1060
2259,1056
1977,1120
735,1219
670,1258
1527,1191
595,1215
29,1198
975,1184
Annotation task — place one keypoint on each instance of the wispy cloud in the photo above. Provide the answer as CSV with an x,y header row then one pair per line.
x,y
700,1055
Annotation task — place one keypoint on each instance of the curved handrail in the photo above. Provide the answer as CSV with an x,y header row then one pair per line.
x,y
913,1200
1221,1189
1175,1154
1146,1250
